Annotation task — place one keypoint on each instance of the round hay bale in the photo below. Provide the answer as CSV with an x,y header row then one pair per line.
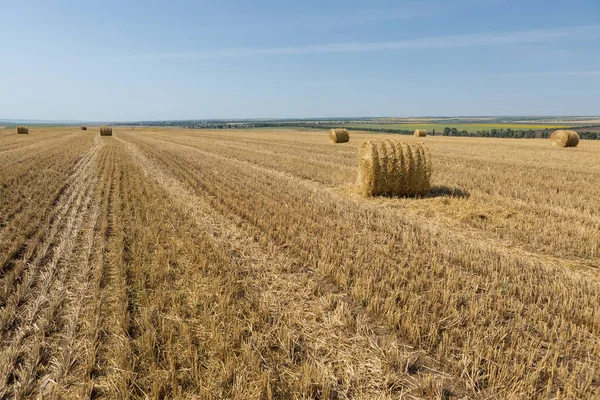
x,y
23,130
339,135
105,131
393,167
84,128
564,138
420,132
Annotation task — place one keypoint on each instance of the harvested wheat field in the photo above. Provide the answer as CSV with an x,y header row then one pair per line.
x,y
245,264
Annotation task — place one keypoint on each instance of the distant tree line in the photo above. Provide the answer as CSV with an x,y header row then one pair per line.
x,y
590,135
448,131
514,133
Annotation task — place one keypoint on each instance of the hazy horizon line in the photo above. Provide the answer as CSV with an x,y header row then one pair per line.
x,y
37,121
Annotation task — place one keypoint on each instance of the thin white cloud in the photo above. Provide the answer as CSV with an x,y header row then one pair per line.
x,y
343,82
327,21
539,73
439,42
527,74
363,17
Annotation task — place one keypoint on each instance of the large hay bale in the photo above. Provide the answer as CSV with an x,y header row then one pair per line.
x,y
84,128
393,167
563,138
420,132
23,129
105,131
339,135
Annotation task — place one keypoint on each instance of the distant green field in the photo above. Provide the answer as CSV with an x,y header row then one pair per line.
x,y
460,127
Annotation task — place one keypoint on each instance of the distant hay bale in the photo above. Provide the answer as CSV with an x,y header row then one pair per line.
x,y
105,131
420,132
23,129
339,135
84,128
392,167
562,138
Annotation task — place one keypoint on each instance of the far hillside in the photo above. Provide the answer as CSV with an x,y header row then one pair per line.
x,y
502,127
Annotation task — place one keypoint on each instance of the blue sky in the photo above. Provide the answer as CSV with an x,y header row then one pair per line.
x,y
149,60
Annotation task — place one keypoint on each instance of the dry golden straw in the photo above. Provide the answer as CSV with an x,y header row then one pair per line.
x,y
23,129
420,132
105,131
339,135
84,128
563,138
392,167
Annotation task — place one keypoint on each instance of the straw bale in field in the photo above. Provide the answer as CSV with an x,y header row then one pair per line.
x,y
339,135
84,128
563,138
420,132
393,167
23,129
105,131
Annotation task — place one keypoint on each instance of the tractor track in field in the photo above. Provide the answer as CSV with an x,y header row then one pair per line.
x,y
26,250
33,146
288,290
551,272
576,265
184,264
34,313
25,212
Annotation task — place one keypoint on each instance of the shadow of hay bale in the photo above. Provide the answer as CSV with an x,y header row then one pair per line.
x,y
448,191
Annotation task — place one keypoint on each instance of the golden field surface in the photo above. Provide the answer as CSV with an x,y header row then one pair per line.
x,y
242,264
